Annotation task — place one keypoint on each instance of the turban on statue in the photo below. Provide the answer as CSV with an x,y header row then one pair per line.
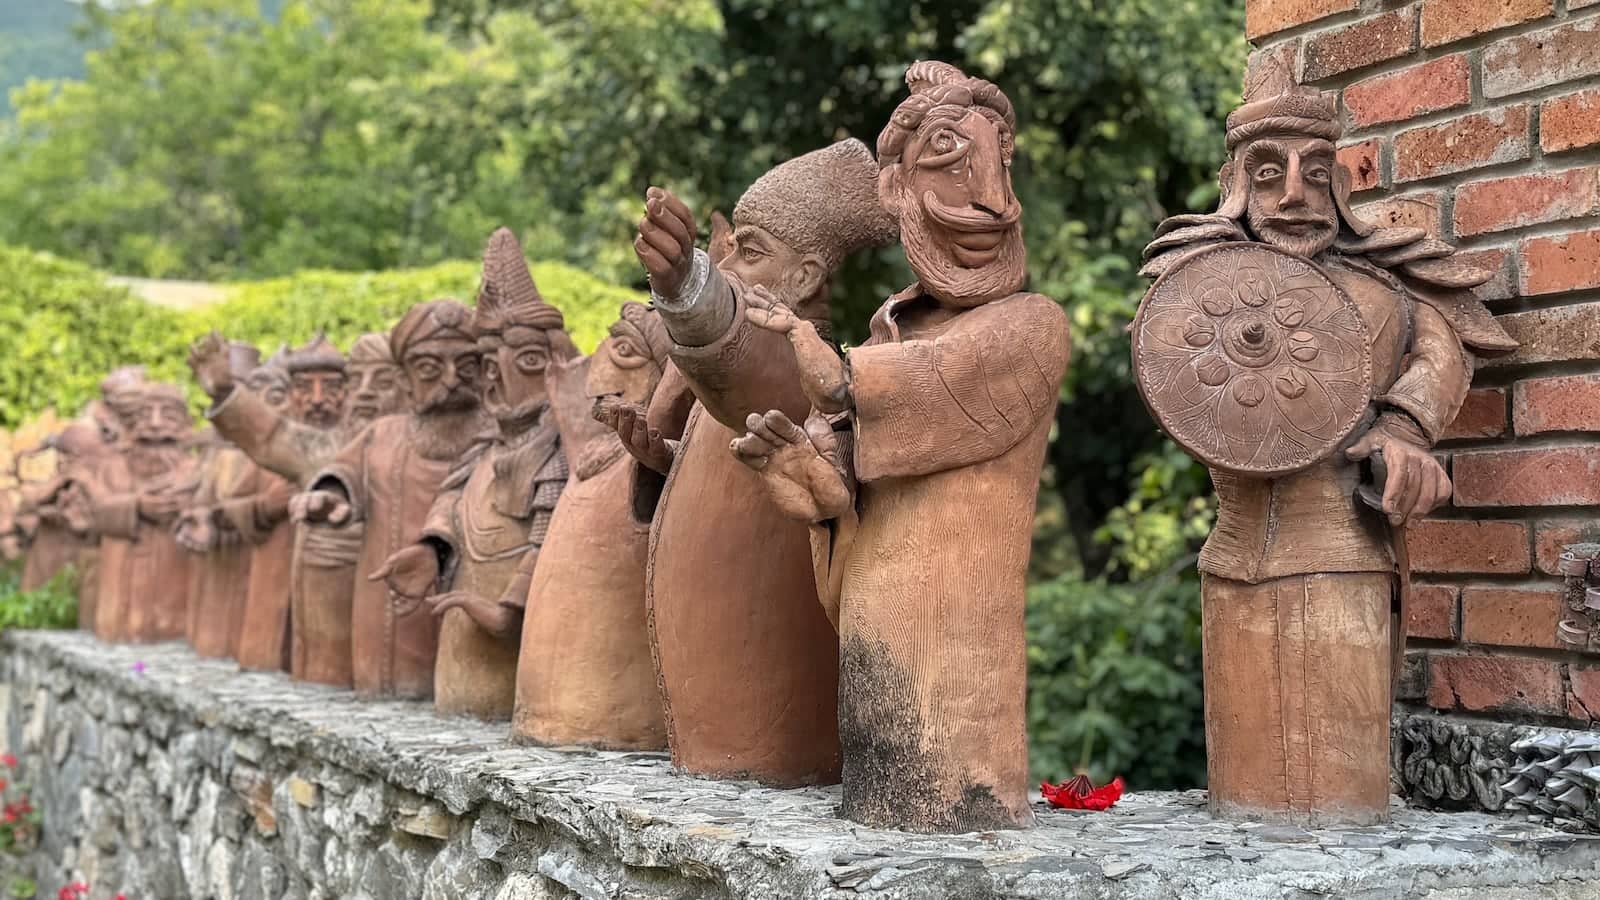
x,y
318,355
432,320
371,347
508,296
1274,104
934,84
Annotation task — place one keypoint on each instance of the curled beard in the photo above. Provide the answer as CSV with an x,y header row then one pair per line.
x,y
516,418
942,277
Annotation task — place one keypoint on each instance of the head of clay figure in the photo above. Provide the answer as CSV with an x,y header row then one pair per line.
x,y
317,383
438,351
377,387
946,176
270,381
796,224
161,415
1282,177
120,392
628,363
519,335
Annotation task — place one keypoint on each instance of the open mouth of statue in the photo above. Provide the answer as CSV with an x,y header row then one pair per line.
x,y
364,408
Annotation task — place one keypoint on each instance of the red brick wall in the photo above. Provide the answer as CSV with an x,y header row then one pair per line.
x,y
1480,121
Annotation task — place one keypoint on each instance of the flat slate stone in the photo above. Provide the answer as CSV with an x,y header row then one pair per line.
x,y
415,799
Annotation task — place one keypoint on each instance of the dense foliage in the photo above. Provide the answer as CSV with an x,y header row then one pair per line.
x,y
51,605
209,140
62,327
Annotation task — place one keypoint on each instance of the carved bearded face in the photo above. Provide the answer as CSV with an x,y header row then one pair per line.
x,y
160,420
271,384
316,397
514,365
959,220
377,390
759,258
1291,194
442,374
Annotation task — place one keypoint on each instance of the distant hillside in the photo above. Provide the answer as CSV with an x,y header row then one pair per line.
x,y
36,41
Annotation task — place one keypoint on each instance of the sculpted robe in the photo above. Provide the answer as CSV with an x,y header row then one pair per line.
x,y
492,514
219,578
144,574
322,570
950,426
748,661
259,512
391,487
585,675
54,545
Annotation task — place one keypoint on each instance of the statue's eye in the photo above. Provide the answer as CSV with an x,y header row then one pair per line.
x,y
1318,175
428,370
944,141
1269,172
624,349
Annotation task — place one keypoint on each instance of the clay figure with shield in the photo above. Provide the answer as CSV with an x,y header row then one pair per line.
x,y
585,676
745,655
387,477
922,458
1310,360
478,548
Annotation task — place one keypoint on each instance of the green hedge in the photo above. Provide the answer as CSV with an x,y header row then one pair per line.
x,y
62,327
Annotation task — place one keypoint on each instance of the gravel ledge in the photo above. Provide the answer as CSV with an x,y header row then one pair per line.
x,y
166,776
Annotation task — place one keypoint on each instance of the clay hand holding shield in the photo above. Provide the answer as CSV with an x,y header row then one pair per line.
x,y
1413,483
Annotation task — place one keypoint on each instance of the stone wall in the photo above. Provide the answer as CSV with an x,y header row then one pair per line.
x,y
1480,120
164,776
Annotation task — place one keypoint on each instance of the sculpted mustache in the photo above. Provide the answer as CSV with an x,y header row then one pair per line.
x,y
957,219
1294,220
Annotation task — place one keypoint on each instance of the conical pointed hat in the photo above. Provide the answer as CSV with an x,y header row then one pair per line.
x,y
508,295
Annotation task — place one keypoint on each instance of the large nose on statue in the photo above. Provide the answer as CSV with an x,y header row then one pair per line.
x,y
987,184
1294,186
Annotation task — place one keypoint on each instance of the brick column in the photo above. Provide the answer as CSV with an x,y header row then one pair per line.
x,y
1479,120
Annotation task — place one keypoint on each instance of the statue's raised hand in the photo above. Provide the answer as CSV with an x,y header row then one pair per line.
x,y
208,359
822,370
799,467
644,443
666,242
410,572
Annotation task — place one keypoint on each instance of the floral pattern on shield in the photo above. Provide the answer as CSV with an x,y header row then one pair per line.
x,y
1252,359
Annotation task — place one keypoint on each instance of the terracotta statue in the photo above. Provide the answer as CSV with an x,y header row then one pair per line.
x,y
745,655
586,675
388,476
220,569
289,442
482,538
134,498
1290,345
256,509
84,447
322,414
930,481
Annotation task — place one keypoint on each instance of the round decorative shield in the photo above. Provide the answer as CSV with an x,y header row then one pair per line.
x,y
1252,359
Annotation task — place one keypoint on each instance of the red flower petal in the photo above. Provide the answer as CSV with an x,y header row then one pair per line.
x,y
9,761
1079,793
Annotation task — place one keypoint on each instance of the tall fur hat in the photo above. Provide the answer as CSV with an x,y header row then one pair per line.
x,y
824,202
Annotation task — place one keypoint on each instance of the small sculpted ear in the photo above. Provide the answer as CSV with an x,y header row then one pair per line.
x,y
808,276
722,243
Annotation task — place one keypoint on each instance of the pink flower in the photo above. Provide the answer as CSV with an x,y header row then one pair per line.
x,y
9,760
138,667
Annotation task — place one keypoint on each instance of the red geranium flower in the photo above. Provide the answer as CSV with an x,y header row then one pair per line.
x,y
9,760
1080,793
3,784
